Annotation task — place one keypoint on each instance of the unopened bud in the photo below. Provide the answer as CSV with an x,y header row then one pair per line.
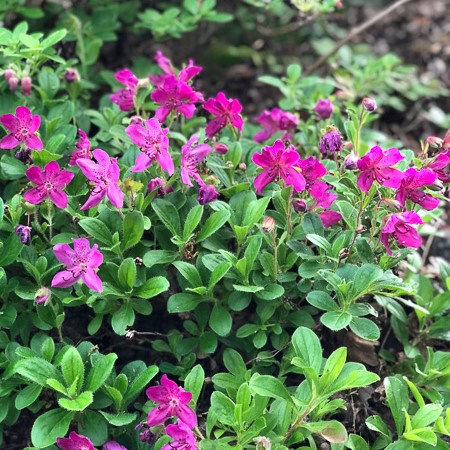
x,y
446,141
142,83
8,74
24,155
229,164
26,86
13,82
437,186
324,108
299,205
369,104
220,148
343,253
207,193
360,229
135,120
268,224
130,334
24,234
262,443
71,75
242,166
351,161
391,204
138,261
42,295
434,142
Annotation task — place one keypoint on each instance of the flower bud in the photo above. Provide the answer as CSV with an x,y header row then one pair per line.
x,y
446,141
437,186
24,234
24,155
299,205
268,224
391,204
324,108
220,148
351,161
42,295
142,83
71,75
207,193
262,443
369,104
434,142
26,85
13,82
330,143
135,120
8,74
242,166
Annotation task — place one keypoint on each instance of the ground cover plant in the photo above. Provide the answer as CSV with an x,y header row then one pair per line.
x,y
178,271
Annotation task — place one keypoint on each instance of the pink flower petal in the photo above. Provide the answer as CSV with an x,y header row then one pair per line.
x,y
35,196
64,279
59,198
33,142
92,280
9,141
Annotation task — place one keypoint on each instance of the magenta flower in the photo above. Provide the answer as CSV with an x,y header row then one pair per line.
x,y
207,193
274,121
441,166
22,128
83,148
190,158
154,144
324,108
330,143
113,445
410,188
173,401
183,438
226,111
175,95
105,175
399,227
49,183
157,184
125,97
330,218
80,264
75,442
376,165
312,169
277,163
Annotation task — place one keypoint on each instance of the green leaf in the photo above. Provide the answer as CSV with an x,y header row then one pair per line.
x,y
269,386
127,274
152,287
10,250
37,370
218,273
72,367
365,276
139,383
333,367
27,395
251,289
53,38
220,320
192,220
57,386
77,404
223,408
122,318
376,423
119,420
336,320
93,425
422,435
133,229
319,241
182,302
189,272
307,347
194,382
426,415
365,328
331,430
49,426
322,300
398,400
100,371
97,229
215,221
154,257
349,213
168,214
271,292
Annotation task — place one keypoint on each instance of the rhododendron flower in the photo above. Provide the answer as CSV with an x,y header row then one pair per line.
x,y
83,148
173,401
377,165
24,234
158,185
22,128
324,108
175,95
410,188
330,143
329,217
399,227
207,193
274,121
183,438
49,183
226,111
105,175
154,144
312,169
80,264
277,163
75,442
441,166
190,158
113,445
125,97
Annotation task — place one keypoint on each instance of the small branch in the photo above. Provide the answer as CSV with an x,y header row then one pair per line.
x,y
354,32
